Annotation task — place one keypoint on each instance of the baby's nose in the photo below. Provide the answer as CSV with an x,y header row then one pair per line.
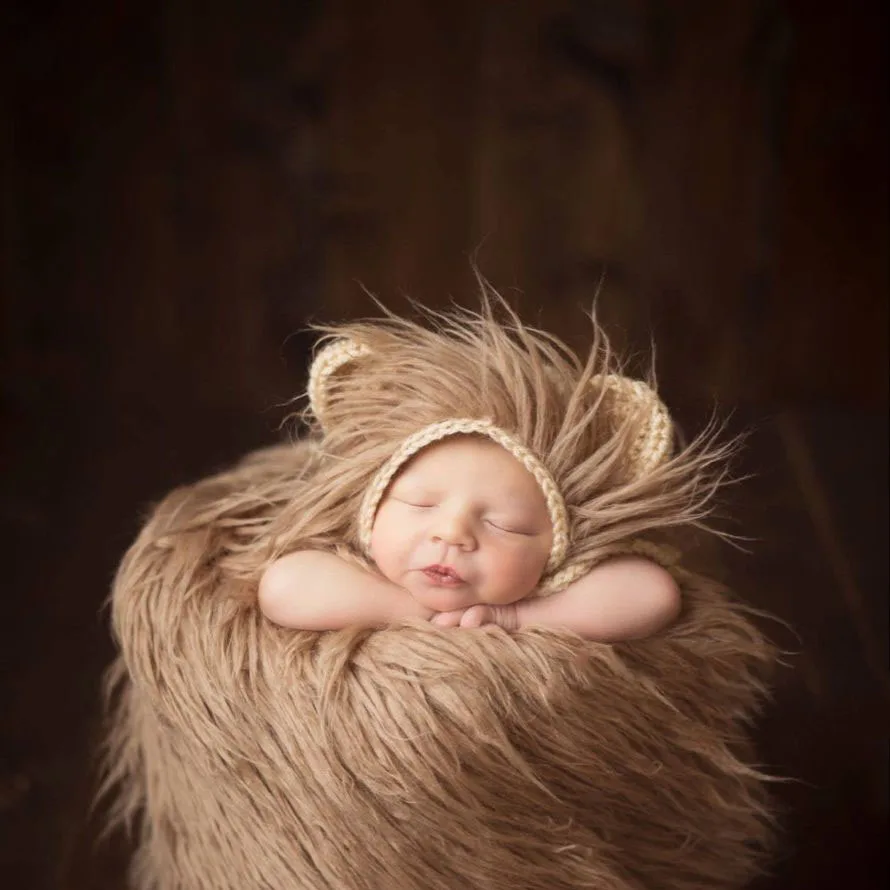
x,y
453,529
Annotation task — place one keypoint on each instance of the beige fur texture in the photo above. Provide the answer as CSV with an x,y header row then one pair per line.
x,y
250,757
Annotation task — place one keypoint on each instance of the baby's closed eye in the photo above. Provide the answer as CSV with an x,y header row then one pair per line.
x,y
507,527
420,502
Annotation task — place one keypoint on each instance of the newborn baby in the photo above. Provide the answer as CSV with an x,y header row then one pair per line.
x,y
475,471
461,538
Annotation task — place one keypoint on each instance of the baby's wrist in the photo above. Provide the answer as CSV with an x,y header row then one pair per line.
x,y
509,617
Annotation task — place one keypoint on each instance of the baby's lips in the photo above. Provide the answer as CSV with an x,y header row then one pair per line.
x,y
440,569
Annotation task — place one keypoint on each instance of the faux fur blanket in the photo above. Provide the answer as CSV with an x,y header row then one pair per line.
x,y
250,757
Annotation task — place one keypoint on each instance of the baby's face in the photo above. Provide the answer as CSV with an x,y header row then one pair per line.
x,y
463,523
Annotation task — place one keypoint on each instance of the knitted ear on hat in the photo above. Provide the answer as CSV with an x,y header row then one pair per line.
x,y
623,397
327,362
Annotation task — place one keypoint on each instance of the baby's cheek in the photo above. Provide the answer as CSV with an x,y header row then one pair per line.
x,y
514,576
390,548
382,548
531,570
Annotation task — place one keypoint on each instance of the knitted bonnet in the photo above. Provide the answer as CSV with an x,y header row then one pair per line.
x,y
620,397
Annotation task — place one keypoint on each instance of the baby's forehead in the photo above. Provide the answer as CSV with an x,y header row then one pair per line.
x,y
461,459
469,449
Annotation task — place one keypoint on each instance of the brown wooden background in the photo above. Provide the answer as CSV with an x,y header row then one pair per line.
x,y
184,185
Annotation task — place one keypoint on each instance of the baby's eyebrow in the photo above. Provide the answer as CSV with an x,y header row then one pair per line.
x,y
516,499
414,487
509,500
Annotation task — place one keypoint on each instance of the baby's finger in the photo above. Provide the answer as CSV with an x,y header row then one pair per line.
x,y
476,616
447,619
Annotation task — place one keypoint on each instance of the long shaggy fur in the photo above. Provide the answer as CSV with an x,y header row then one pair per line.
x,y
247,756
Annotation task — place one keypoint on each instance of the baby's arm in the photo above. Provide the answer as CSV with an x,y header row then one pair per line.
x,y
625,598
315,590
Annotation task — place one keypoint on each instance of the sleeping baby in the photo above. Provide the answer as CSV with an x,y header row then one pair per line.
x,y
497,480
461,538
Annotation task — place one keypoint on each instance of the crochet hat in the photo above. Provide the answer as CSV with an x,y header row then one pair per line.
x,y
620,396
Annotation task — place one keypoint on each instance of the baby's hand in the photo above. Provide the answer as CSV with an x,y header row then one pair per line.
x,y
448,619
478,616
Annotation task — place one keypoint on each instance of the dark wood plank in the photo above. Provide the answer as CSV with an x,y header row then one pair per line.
x,y
181,190
827,727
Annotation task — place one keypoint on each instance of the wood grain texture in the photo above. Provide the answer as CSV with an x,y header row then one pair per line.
x,y
183,190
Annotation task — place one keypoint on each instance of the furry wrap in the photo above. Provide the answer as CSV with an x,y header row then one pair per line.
x,y
256,758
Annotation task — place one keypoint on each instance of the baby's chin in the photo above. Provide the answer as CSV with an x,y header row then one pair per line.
x,y
442,599
449,599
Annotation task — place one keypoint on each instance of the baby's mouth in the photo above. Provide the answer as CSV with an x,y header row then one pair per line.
x,y
444,575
